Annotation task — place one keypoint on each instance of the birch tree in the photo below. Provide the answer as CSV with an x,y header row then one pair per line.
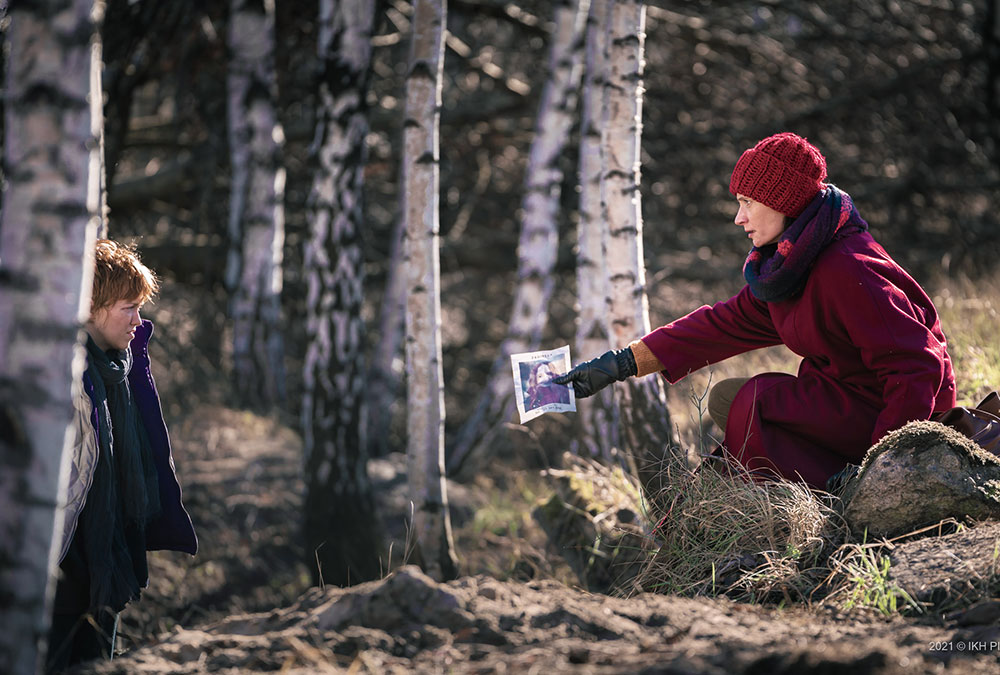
x,y
435,550
256,206
597,414
645,424
341,525
48,224
386,370
538,242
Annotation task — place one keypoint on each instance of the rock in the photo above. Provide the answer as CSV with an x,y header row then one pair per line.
x,y
919,475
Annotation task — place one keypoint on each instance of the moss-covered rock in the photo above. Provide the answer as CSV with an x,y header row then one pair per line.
x,y
920,475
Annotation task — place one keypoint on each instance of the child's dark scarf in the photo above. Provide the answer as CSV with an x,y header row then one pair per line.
x,y
778,271
124,496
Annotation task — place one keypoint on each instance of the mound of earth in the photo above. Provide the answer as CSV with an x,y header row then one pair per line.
x,y
950,572
408,623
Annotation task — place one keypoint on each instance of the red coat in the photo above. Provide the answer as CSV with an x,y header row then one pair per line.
x,y
874,358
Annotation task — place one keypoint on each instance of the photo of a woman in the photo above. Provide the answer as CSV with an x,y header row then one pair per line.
x,y
539,389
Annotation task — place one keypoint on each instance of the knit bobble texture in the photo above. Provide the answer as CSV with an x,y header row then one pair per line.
x,y
784,171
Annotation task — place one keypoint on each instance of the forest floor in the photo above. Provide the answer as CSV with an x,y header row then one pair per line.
x,y
246,602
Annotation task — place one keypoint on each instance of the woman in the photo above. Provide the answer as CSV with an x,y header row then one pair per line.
x,y
874,356
541,390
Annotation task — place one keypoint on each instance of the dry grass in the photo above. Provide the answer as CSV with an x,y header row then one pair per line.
x,y
723,533
969,316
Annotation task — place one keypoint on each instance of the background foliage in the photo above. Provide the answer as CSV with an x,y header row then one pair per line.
x,y
901,95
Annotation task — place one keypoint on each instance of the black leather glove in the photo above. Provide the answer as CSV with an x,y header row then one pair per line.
x,y
590,377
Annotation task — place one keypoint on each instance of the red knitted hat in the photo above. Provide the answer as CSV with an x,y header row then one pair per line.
x,y
784,171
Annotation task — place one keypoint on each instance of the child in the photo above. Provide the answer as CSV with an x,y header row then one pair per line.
x,y
123,498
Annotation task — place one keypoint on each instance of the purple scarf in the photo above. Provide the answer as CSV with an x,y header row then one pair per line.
x,y
778,271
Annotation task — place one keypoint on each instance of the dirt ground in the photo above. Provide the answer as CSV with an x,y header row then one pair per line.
x,y
408,623
244,604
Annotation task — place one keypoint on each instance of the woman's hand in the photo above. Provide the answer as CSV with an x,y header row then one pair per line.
x,y
590,377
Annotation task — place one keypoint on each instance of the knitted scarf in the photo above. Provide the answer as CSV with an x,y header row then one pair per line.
x,y
124,496
778,271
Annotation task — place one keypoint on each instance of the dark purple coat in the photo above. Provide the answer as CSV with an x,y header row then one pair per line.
x,y
874,358
544,394
172,530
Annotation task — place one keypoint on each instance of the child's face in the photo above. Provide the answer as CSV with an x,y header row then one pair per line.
x,y
114,327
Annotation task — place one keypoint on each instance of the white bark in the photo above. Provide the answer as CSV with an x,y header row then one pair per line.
x,y
597,414
340,508
257,216
425,391
48,224
627,300
645,424
539,239
538,243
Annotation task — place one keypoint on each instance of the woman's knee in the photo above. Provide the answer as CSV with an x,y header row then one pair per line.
x,y
721,397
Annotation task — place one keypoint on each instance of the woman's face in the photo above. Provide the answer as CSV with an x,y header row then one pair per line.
x,y
544,374
761,223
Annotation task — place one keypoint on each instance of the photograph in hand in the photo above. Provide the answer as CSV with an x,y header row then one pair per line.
x,y
534,390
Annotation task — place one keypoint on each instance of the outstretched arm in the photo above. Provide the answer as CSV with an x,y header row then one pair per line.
x,y
708,335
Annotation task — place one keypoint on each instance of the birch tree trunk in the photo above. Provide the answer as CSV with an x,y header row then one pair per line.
x,y
539,238
598,414
435,550
387,367
343,533
49,220
645,426
256,210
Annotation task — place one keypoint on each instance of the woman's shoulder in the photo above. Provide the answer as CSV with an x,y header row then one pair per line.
x,y
854,262
851,252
